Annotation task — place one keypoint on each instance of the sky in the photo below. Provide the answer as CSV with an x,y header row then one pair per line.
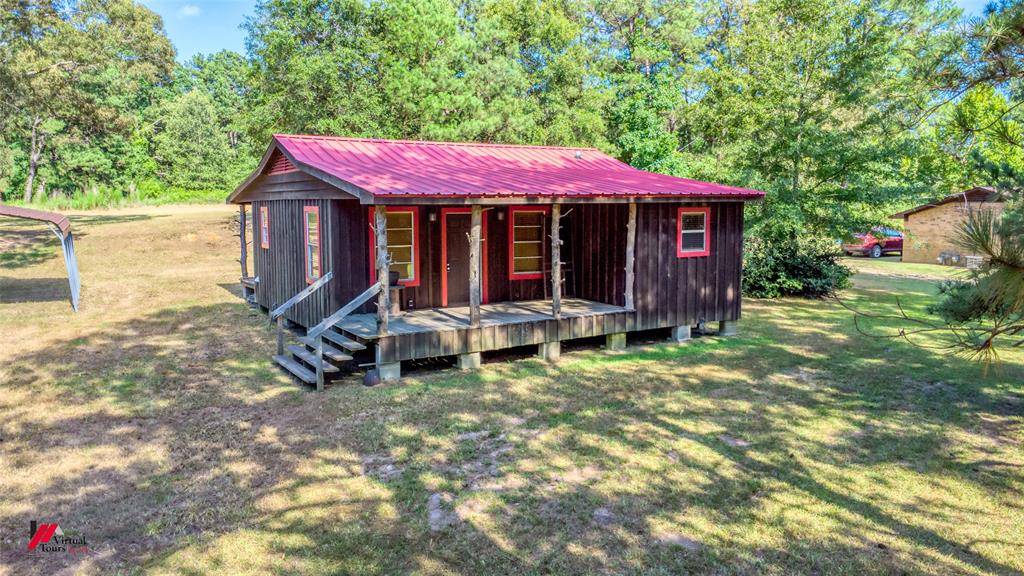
x,y
205,27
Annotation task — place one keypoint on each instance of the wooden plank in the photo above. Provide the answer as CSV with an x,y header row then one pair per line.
x,y
630,256
330,352
296,369
343,341
310,358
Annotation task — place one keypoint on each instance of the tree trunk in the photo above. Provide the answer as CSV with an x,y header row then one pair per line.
x,y
35,151
476,222
630,256
556,262
383,268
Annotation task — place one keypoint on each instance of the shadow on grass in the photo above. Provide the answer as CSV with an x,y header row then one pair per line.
x,y
21,290
171,442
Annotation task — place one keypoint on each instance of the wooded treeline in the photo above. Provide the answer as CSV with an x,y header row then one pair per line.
x,y
841,110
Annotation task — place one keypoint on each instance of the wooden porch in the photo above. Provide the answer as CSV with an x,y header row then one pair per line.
x,y
428,320
436,332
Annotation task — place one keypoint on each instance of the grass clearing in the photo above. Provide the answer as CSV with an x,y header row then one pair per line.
x,y
892,266
153,423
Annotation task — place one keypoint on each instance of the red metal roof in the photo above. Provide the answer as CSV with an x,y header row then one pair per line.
x,y
446,169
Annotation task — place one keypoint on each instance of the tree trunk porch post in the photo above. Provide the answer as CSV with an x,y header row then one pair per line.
x,y
243,241
475,293
383,268
630,257
556,262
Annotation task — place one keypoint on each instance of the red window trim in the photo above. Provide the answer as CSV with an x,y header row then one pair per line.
x,y
264,226
415,244
305,243
680,253
512,275
444,252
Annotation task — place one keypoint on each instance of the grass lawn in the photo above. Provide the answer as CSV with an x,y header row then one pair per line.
x,y
892,266
153,423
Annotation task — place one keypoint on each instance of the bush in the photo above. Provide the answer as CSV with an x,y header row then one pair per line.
x,y
782,264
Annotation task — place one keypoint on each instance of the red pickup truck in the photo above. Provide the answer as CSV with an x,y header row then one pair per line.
x,y
875,243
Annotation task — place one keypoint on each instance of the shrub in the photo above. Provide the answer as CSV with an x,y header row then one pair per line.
x,y
789,264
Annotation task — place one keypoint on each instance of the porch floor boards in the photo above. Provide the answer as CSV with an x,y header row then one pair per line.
x,y
457,318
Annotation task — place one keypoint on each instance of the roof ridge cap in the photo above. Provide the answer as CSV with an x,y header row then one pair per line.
x,y
435,142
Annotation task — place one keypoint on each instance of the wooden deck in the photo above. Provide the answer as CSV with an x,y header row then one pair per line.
x,y
497,314
438,332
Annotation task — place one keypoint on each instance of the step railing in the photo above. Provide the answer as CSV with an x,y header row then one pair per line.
x,y
277,314
316,332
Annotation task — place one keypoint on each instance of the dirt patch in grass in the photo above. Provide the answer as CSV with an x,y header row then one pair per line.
x,y
154,424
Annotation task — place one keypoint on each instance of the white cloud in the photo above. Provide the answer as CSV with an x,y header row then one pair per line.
x,y
189,10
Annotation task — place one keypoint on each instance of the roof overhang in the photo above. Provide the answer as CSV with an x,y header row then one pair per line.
x,y
250,190
976,194
242,193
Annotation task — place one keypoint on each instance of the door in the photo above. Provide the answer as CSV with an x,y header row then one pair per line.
x,y
455,227
457,252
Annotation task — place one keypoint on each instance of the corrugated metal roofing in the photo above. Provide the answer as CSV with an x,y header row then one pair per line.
x,y
446,169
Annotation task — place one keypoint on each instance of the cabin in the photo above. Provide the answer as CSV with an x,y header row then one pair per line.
x,y
379,252
930,229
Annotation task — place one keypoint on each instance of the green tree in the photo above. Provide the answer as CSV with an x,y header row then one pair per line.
x,y
812,98
190,148
68,65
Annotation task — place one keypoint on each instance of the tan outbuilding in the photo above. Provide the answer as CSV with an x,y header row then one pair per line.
x,y
930,228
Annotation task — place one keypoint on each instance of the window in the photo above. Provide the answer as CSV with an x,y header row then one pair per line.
x,y
692,238
402,224
264,228
311,216
526,243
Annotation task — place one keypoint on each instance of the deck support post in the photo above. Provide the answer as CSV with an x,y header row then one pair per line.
x,y
556,262
387,371
727,328
474,266
630,256
280,335
550,351
319,364
470,361
380,232
616,341
681,334
244,260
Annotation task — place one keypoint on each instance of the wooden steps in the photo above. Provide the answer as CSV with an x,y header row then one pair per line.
x,y
330,352
343,341
296,369
301,361
310,358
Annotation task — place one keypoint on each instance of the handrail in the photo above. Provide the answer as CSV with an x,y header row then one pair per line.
x,y
300,296
345,310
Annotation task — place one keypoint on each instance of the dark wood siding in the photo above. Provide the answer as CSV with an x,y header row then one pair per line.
x,y
670,291
281,267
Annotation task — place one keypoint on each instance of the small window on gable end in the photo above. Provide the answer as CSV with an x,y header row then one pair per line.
x,y
264,228
693,236
311,216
